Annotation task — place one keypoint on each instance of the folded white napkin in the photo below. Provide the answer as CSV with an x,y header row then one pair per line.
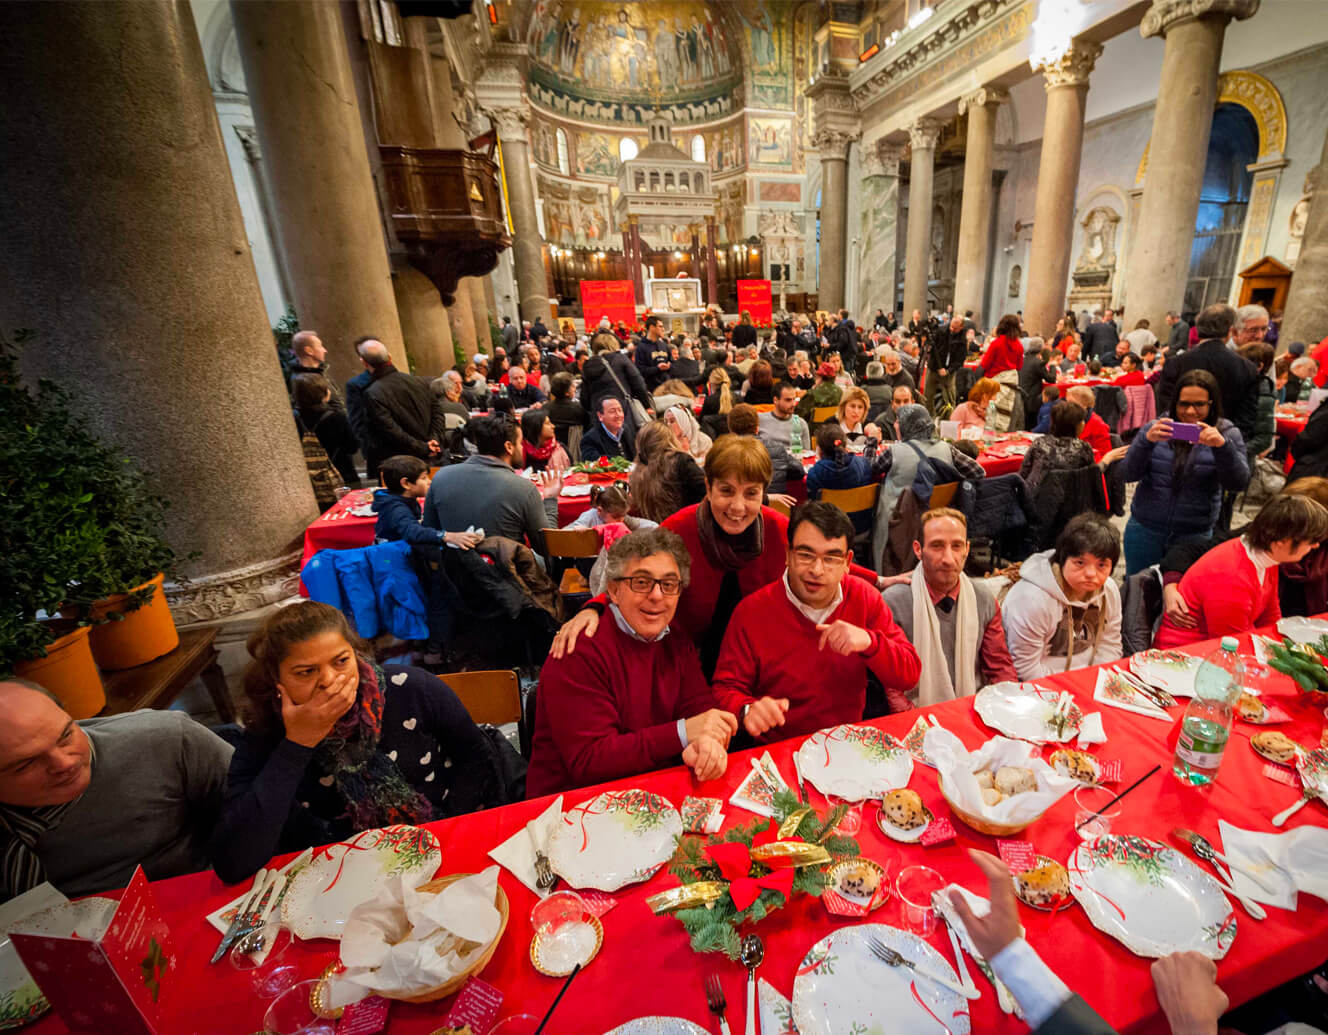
x,y
517,854
1290,862
469,528
1091,731
1130,699
571,491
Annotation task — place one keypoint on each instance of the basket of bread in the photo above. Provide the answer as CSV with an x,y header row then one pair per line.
x,y
1001,788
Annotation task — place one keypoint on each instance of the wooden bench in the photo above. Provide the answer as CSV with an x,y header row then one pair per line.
x,y
158,683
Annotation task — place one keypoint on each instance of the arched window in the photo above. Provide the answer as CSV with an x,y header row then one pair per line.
x,y
627,149
698,148
564,165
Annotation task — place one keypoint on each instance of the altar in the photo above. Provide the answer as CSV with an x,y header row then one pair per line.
x,y
676,300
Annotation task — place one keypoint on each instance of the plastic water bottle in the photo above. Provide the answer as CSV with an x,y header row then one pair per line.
x,y
1207,724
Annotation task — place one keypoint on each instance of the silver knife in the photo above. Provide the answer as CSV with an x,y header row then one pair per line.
x,y
243,918
970,987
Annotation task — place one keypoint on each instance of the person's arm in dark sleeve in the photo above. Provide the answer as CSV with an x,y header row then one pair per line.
x,y
357,413
335,434
260,789
1233,464
396,522
437,420
1313,439
400,439
636,384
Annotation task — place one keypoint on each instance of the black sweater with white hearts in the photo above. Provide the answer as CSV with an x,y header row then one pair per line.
x,y
279,800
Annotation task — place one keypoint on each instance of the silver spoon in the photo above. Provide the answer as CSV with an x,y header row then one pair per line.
x,y
751,955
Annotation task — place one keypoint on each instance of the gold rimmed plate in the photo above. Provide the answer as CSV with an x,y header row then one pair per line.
x,y
539,951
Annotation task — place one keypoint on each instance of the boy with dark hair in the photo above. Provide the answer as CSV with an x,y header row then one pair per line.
x,y
405,483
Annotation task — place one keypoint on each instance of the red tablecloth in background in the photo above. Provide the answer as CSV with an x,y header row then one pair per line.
x,y
646,967
1071,382
1289,425
572,507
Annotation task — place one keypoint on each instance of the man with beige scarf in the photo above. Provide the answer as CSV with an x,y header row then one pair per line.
x,y
952,621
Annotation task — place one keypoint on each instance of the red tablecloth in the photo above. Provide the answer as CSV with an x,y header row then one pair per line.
x,y
572,507
646,967
1289,425
1071,382
338,529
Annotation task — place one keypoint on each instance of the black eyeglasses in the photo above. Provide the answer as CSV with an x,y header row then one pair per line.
x,y
670,585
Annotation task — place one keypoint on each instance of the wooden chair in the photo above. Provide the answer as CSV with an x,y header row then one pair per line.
x,y
779,507
821,414
571,544
764,407
942,495
492,696
856,501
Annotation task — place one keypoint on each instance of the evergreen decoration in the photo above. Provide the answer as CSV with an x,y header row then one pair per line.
x,y
714,927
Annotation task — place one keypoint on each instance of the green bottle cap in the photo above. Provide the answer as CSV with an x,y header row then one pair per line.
x,y
1230,643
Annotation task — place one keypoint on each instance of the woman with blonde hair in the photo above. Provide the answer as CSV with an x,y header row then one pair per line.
x,y
673,392
973,414
719,398
852,416
665,478
690,436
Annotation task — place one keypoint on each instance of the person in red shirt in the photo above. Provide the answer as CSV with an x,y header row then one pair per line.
x,y
796,654
1006,351
1233,587
1131,371
1095,433
633,698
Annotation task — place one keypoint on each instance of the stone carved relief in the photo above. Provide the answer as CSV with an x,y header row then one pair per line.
x,y
979,97
1016,278
1262,99
209,598
1071,67
1099,251
779,224
1299,217
1164,14
923,134
833,143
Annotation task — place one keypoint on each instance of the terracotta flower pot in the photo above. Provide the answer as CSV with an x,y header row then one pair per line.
x,y
142,636
69,672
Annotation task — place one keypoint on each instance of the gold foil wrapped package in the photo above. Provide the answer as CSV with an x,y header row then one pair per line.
x,y
791,823
689,896
791,853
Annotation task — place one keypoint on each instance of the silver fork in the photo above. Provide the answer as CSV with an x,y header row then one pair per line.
x,y
545,878
888,955
715,1000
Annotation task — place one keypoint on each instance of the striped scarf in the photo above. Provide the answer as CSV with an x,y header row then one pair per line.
x,y
21,867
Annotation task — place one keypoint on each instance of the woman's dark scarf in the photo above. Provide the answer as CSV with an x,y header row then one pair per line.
x,y
730,552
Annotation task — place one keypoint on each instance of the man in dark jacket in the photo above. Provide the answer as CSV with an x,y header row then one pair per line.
x,y
652,354
1236,376
357,412
403,414
610,435
1101,337
945,358
1033,375
844,341
1178,340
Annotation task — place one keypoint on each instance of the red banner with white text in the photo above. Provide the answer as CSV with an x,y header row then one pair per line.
x,y
754,296
615,299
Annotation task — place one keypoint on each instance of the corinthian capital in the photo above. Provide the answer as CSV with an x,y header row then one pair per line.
x,y
1166,13
924,133
984,95
833,143
1070,67
882,159
510,122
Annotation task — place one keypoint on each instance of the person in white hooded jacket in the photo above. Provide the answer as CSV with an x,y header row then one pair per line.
x,y
1065,611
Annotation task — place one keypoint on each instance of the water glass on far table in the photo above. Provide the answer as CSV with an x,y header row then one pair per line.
x,y
341,490
1094,812
915,886
292,1013
265,956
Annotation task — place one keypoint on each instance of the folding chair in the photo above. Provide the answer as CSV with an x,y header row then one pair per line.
x,y
571,544
492,696
821,414
856,501
942,495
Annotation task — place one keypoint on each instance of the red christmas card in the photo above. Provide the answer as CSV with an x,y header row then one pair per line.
x,y
101,964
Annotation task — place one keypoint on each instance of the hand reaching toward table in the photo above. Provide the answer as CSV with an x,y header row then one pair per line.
x,y
996,930
1186,984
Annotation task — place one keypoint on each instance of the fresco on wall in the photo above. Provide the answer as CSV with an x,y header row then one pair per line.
x,y
597,154
770,141
543,145
767,51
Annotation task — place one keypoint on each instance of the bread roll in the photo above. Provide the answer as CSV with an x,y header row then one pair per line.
x,y
903,808
1011,779
991,796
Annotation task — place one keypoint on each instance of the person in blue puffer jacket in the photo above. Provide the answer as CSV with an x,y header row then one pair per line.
x,y
837,468
1179,494
406,481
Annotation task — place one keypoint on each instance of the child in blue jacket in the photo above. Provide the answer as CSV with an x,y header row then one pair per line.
x,y
397,504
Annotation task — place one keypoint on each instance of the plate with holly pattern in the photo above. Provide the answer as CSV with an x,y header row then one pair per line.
x,y
1171,670
617,838
854,762
841,987
1025,711
339,877
1150,897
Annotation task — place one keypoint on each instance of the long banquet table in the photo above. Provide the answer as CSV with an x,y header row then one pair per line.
x,y
646,967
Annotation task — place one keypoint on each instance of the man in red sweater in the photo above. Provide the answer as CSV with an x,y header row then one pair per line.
x,y
1095,433
796,653
633,698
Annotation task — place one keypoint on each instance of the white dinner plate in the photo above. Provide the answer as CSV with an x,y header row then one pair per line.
x,y
1173,671
320,897
1021,710
659,1026
1150,897
1303,630
854,762
617,838
842,987
21,1000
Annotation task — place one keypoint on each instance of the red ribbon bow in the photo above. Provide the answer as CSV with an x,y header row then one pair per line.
x,y
735,861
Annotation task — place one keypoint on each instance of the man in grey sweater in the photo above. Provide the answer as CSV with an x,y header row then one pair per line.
x,y
83,803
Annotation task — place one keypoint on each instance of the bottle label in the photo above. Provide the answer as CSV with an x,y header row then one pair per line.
x,y
1202,754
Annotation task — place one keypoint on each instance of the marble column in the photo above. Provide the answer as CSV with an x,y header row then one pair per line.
x,y
527,245
922,137
461,323
1066,81
1182,121
472,289
1306,316
712,264
979,195
637,259
424,323
879,209
126,252
833,146
298,74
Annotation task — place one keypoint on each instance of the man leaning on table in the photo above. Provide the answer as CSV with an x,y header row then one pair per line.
x,y
952,621
83,803
797,652
633,698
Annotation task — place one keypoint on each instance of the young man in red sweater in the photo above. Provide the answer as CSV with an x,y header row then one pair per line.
x,y
796,653
633,698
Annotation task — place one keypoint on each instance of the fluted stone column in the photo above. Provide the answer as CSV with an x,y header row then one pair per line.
x,y
833,146
527,245
975,214
126,252
1182,121
922,137
878,226
298,74
1066,80
1307,302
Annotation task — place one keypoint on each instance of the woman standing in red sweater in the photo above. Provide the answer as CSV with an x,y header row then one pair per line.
x,y
737,546
1233,587
1001,363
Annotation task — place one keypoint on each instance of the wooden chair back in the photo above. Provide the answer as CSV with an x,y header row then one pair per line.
x,y
779,507
942,495
853,501
492,696
821,414
571,542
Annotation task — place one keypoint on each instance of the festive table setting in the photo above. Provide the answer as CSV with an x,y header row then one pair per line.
x,y
806,884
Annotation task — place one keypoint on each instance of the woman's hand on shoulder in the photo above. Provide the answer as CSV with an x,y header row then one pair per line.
x,y
308,723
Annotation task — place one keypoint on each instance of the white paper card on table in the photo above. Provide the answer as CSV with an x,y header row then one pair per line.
x,y
1091,730
1114,691
1297,860
571,491
957,766
517,854
971,433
